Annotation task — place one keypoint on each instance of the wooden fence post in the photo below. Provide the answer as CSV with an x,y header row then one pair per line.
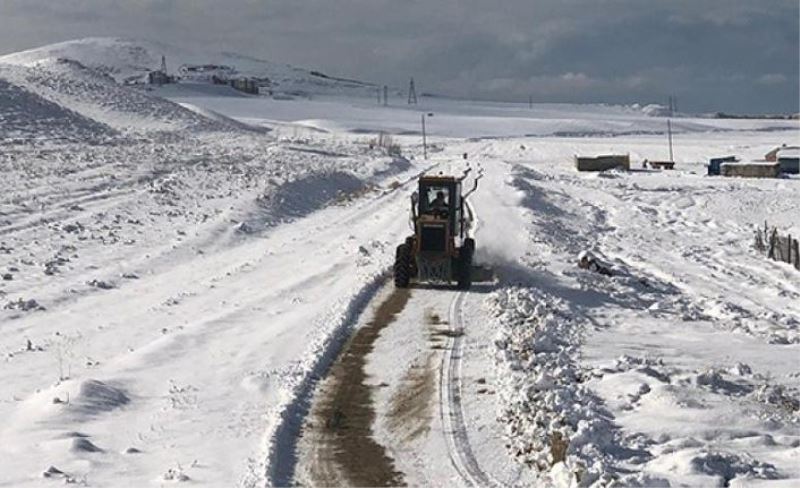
x,y
779,247
796,255
771,253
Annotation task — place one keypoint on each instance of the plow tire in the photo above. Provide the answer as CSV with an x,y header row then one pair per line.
x,y
464,268
414,272
402,266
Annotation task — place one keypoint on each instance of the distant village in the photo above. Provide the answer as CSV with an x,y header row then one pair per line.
x,y
779,161
216,74
782,160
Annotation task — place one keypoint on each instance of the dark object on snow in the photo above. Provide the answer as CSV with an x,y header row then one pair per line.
x,y
103,285
662,164
715,164
24,305
81,444
52,472
603,163
587,261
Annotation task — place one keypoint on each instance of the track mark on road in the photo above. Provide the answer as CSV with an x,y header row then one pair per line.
x,y
452,410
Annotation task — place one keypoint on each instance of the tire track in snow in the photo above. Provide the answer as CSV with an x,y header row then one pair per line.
x,y
450,391
452,410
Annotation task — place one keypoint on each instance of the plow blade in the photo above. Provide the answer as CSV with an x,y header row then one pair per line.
x,y
482,274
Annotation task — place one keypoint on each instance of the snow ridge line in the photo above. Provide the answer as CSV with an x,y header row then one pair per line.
x,y
451,409
281,457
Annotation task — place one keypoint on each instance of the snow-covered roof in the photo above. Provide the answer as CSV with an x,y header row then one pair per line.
x,y
789,152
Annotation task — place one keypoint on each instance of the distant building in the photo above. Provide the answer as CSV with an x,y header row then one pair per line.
x,y
753,169
245,85
603,163
160,77
207,72
789,160
773,155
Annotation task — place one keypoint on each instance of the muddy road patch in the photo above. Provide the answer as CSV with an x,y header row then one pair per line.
x,y
412,404
340,426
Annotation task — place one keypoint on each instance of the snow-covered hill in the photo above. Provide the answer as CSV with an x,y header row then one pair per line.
x,y
25,115
76,88
129,61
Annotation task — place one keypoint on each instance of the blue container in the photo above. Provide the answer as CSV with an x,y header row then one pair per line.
x,y
790,165
715,164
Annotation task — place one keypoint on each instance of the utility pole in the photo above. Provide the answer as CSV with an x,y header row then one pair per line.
x,y
424,141
424,138
378,90
412,93
530,101
669,135
385,95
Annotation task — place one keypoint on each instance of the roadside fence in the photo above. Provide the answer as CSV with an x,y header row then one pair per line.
x,y
777,247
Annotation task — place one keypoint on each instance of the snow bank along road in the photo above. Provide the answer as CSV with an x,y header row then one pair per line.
x,y
170,306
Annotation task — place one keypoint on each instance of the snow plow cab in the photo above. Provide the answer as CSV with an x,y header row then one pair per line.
x,y
441,249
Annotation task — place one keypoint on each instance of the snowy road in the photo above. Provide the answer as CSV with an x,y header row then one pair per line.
x,y
414,395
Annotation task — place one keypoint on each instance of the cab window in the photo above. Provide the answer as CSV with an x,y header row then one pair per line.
x,y
435,199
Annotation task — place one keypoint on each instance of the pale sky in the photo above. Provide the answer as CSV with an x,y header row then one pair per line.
x,y
714,55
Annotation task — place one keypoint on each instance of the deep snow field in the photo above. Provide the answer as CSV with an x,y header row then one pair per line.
x,y
179,273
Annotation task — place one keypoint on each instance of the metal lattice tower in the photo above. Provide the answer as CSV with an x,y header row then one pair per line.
x,y
412,93
163,64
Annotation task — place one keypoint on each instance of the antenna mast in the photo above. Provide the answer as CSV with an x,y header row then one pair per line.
x,y
412,93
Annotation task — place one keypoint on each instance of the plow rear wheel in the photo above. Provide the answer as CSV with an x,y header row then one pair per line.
x,y
413,271
402,266
464,269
